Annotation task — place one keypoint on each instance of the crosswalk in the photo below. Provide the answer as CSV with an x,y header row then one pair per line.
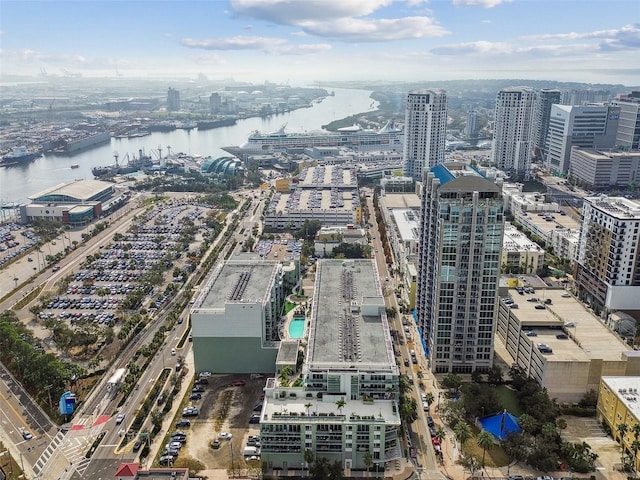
x,y
72,445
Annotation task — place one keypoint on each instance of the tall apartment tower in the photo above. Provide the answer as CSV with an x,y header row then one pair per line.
x,y
173,100
425,129
628,137
459,263
541,113
512,130
472,123
583,126
608,267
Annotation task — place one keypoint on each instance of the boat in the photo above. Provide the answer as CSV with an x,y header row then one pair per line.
x,y
388,138
75,165
20,154
222,122
87,142
133,164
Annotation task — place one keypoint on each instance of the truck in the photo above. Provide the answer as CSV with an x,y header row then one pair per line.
x,y
251,451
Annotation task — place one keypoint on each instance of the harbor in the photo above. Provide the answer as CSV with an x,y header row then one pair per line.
x,y
19,181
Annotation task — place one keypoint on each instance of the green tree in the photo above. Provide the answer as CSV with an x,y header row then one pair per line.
x,y
368,460
340,404
485,442
452,381
462,432
622,429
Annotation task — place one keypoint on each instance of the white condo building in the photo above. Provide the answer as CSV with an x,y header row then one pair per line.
x,y
346,405
459,264
608,271
425,131
583,126
512,143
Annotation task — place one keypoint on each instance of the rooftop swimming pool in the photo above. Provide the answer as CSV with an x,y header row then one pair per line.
x,y
296,328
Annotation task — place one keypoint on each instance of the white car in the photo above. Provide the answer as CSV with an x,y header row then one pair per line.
x,y
225,436
120,419
27,435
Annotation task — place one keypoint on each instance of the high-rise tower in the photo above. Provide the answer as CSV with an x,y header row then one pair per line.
x,y
541,112
512,130
424,131
459,263
628,136
173,100
584,126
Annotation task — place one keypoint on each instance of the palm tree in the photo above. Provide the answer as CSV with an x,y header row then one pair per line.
x,y
484,441
429,398
340,404
622,429
441,434
462,432
308,405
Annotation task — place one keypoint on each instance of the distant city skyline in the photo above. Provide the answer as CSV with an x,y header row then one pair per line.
x,y
298,41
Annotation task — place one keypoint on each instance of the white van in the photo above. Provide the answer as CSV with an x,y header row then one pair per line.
x,y
173,351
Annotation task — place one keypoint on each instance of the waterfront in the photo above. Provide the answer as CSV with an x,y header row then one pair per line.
x,y
17,182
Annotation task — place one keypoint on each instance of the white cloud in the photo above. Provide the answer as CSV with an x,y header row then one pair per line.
x,y
291,12
478,3
375,30
624,38
303,49
233,43
341,20
504,48
486,21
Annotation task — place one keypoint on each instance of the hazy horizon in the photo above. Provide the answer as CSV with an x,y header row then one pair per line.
x,y
296,41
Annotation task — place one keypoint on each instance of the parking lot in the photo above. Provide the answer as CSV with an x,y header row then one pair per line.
x,y
223,409
134,270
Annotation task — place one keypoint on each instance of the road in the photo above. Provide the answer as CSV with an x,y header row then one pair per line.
x,y
425,461
59,454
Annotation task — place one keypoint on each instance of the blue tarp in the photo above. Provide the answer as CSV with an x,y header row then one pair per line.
x,y
424,343
500,425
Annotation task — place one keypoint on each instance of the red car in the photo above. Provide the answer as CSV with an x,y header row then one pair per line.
x,y
238,383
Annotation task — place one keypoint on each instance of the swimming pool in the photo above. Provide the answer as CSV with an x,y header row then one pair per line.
x,y
296,328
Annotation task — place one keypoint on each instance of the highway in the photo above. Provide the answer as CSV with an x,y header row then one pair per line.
x,y
59,454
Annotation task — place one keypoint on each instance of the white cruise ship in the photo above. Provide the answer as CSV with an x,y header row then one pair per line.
x,y
388,138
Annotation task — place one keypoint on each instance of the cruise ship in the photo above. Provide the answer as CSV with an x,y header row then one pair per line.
x,y
388,138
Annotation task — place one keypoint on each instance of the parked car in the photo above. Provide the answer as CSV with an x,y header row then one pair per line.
x,y
137,445
120,418
257,407
255,418
225,436
215,444
197,389
238,383
27,435
195,396
183,423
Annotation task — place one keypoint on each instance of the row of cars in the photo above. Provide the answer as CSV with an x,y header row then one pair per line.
x,y
172,448
9,247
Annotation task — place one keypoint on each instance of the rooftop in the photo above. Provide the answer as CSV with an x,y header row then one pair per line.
x,y
349,326
617,207
293,409
239,281
627,389
408,222
81,189
588,339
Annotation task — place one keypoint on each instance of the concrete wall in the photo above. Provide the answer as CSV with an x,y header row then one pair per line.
x,y
233,355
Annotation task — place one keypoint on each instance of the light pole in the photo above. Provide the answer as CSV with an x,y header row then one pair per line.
x,y
231,447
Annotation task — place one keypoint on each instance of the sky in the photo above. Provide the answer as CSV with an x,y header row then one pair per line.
x,y
299,41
